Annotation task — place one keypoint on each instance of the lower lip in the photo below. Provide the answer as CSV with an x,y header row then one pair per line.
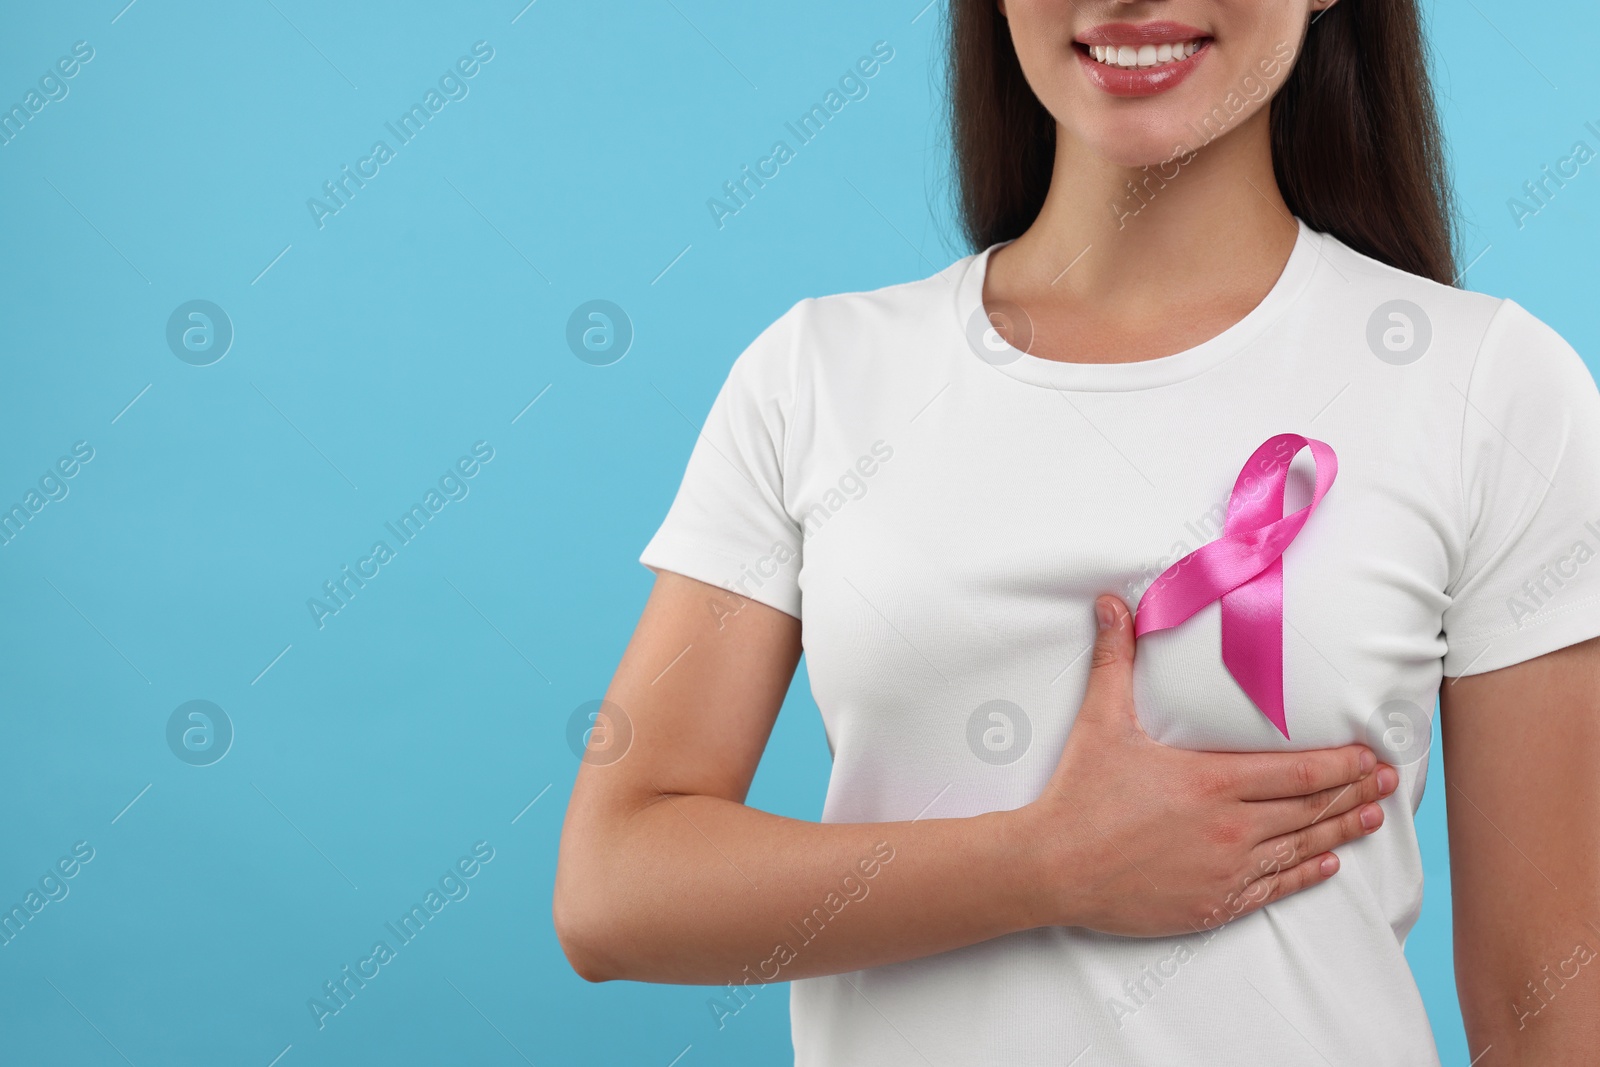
x,y
1147,82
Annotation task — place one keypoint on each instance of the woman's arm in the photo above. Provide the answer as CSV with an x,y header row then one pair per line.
x,y
1522,774
665,875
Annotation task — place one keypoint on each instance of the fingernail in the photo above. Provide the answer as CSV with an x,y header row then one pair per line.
x,y
1329,864
1371,817
1367,761
1104,612
1388,779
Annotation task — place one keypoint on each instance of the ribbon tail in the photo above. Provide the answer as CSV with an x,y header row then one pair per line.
x,y
1252,641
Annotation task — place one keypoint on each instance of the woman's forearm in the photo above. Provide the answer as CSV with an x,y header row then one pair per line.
x,y
704,890
666,876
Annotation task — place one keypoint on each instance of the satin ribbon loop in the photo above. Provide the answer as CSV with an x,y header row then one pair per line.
x,y
1244,570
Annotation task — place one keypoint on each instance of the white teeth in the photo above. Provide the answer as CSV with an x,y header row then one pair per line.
x,y
1128,57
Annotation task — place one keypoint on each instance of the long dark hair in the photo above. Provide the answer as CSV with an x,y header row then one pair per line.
x,y
1356,143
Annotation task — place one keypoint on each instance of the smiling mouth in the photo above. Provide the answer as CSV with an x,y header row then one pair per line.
x,y
1144,56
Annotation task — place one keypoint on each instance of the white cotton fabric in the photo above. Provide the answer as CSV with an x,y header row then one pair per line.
x,y
940,511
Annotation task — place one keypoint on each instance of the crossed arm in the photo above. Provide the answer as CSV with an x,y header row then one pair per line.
x,y
666,875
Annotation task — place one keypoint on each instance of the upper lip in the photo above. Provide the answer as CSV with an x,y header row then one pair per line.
x,y
1129,33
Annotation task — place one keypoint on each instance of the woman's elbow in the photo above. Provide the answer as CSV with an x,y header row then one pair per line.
x,y
595,894
582,930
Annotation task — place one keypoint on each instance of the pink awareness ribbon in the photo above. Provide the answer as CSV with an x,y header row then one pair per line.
x,y
1244,569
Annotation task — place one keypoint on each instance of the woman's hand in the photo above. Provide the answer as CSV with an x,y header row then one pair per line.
x,y
1143,839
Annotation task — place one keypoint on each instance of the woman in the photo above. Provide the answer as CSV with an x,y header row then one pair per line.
x,y
1202,223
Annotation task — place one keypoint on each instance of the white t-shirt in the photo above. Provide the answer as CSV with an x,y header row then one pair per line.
x,y
940,510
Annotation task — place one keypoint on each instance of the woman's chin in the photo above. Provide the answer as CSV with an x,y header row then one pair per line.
x,y
1147,150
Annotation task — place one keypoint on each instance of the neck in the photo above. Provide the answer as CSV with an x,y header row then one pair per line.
x,y
1211,217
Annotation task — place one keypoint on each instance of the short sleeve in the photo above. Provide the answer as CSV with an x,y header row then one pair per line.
x,y
1530,484
728,524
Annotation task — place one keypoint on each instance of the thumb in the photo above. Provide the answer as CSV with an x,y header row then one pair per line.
x,y
1109,695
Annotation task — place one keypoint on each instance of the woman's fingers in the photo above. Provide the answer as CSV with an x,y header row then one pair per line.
x,y
1271,775
1303,875
1302,827
1291,849
1282,816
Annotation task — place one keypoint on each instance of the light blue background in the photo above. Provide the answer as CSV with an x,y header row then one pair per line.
x,y
369,355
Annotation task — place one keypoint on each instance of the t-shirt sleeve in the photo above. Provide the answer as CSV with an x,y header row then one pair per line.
x,y
729,524
1530,483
